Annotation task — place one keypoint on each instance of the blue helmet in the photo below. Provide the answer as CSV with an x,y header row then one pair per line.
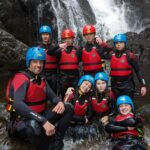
x,y
101,76
86,78
124,99
120,38
34,53
45,29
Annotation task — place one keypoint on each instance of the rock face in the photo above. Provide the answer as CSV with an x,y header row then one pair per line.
x,y
12,52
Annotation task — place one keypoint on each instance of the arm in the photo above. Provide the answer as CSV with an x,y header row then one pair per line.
x,y
111,128
134,63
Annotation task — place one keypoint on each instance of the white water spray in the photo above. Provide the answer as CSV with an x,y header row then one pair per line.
x,y
110,18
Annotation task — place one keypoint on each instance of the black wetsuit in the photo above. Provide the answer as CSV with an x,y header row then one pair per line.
x,y
126,142
27,124
51,74
67,78
124,85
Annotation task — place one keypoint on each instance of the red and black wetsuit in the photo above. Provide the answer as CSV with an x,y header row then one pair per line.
x,y
82,106
122,137
29,93
122,65
68,67
91,55
51,66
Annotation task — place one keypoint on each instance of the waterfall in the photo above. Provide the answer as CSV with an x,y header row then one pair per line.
x,y
69,15
110,18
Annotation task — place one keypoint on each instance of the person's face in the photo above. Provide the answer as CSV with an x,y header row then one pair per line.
x,y
101,85
85,87
69,41
45,37
120,46
89,37
36,66
125,109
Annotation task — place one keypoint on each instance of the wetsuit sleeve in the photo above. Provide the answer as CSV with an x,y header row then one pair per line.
x,y
89,111
51,95
131,122
133,60
104,50
54,51
20,87
111,128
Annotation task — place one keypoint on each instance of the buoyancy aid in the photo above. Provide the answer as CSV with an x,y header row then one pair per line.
x,y
35,96
133,132
80,110
99,107
120,66
68,61
91,60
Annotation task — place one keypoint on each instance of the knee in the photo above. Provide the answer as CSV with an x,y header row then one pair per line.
x,y
33,128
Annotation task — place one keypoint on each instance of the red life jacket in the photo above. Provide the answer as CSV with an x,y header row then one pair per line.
x,y
133,132
80,110
91,60
120,66
35,97
68,61
99,107
51,62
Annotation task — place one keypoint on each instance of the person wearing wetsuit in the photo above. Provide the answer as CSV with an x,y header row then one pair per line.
x,y
122,64
102,102
80,100
125,128
30,117
68,62
93,52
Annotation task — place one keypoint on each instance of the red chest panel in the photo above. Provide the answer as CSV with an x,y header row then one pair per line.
x,y
100,107
120,66
80,110
68,61
91,60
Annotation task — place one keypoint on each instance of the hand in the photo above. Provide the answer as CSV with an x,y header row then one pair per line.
x,y
63,45
130,128
59,108
98,40
104,120
49,128
143,91
68,93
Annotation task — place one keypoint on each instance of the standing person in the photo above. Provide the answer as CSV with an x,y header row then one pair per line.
x,y
51,64
31,119
68,62
102,103
122,64
80,100
93,51
126,128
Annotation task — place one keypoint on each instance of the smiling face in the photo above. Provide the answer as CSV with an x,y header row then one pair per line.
x,y
45,38
125,109
85,87
89,37
36,66
101,86
120,46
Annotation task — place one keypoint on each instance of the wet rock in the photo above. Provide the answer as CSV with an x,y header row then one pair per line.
x,y
12,53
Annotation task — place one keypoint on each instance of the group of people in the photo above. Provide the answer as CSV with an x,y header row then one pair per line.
x,y
66,84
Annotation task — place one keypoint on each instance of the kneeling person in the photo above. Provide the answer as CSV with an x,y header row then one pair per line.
x,y
27,94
